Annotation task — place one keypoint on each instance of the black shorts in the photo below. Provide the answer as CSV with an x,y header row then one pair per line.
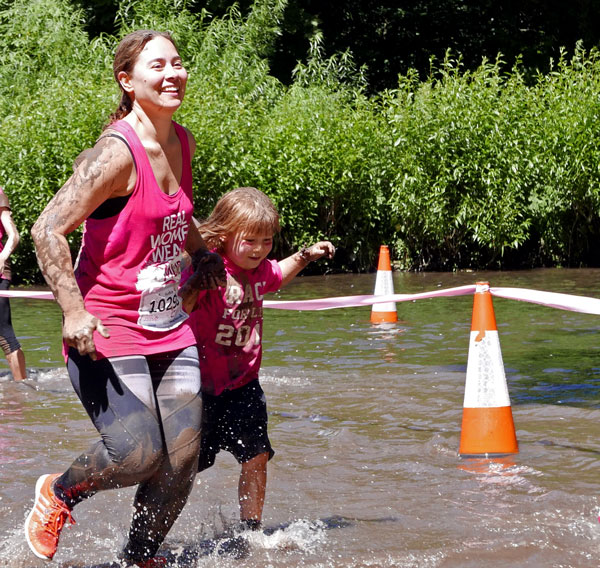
x,y
234,421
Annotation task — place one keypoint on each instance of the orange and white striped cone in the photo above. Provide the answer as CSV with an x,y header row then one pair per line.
x,y
384,312
487,425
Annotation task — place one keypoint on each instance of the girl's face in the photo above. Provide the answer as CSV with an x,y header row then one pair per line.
x,y
248,250
158,77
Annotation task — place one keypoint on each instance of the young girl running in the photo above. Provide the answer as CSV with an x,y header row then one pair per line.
x,y
228,326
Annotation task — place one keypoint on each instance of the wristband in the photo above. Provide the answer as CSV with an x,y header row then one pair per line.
x,y
305,255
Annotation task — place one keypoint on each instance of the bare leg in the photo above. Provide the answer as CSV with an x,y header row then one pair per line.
x,y
16,363
252,487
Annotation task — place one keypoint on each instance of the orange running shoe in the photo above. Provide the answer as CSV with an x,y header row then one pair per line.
x,y
46,519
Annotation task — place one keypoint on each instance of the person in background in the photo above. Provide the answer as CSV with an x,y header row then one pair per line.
x,y
8,340
131,354
228,324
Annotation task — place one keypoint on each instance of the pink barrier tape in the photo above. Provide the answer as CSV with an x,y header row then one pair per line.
x,y
367,300
581,304
568,302
317,304
557,300
38,295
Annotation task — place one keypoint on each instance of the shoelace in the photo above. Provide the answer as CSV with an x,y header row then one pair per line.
x,y
55,516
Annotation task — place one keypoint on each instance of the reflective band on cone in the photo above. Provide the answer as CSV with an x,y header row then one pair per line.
x,y
384,312
487,424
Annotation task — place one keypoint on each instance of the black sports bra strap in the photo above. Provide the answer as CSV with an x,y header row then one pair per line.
x,y
114,205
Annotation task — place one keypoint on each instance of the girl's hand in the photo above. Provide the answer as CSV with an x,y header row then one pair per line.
x,y
318,250
78,332
293,264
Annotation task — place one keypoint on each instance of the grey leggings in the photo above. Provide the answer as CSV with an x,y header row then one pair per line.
x,y
147,410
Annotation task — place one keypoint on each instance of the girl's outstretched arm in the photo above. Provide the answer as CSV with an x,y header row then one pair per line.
x,y
292,265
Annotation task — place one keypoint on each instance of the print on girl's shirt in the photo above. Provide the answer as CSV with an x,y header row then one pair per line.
x,y
251,294
228,324
243,305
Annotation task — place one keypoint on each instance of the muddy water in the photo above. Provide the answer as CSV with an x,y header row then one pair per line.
x,y
365,421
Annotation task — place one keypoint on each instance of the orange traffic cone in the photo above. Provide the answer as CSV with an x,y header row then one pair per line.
x,y
384,312
487,424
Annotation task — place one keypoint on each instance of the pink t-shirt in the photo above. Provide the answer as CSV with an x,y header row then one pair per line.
x,y
129,265
227,323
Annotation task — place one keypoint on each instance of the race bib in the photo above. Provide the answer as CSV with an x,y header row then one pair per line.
x,y
160,308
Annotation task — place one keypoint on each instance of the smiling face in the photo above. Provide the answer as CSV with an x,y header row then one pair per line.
x,y
248,250
158,78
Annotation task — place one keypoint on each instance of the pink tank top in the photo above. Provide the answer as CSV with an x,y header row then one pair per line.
x,y
129,265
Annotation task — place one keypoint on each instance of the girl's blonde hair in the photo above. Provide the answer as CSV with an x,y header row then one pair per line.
x,y
244,210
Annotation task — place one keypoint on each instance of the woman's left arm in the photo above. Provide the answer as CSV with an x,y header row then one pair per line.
x,y
209,270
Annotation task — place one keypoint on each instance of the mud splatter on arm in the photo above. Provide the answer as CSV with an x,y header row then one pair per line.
x,y
102,172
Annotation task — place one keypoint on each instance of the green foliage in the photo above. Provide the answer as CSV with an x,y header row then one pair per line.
x,y
307,146
166,15
390,37
464,169
52,81
564,154
493,172
457,200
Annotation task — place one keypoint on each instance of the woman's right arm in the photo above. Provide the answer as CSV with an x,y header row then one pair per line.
x,y
104,171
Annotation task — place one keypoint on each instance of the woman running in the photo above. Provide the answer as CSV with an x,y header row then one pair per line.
x,y
130,353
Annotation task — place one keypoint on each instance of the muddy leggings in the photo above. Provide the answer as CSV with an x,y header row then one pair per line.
x,y
147,410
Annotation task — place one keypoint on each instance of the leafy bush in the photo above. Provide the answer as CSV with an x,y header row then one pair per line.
x,y
458,199
494,172
51,85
